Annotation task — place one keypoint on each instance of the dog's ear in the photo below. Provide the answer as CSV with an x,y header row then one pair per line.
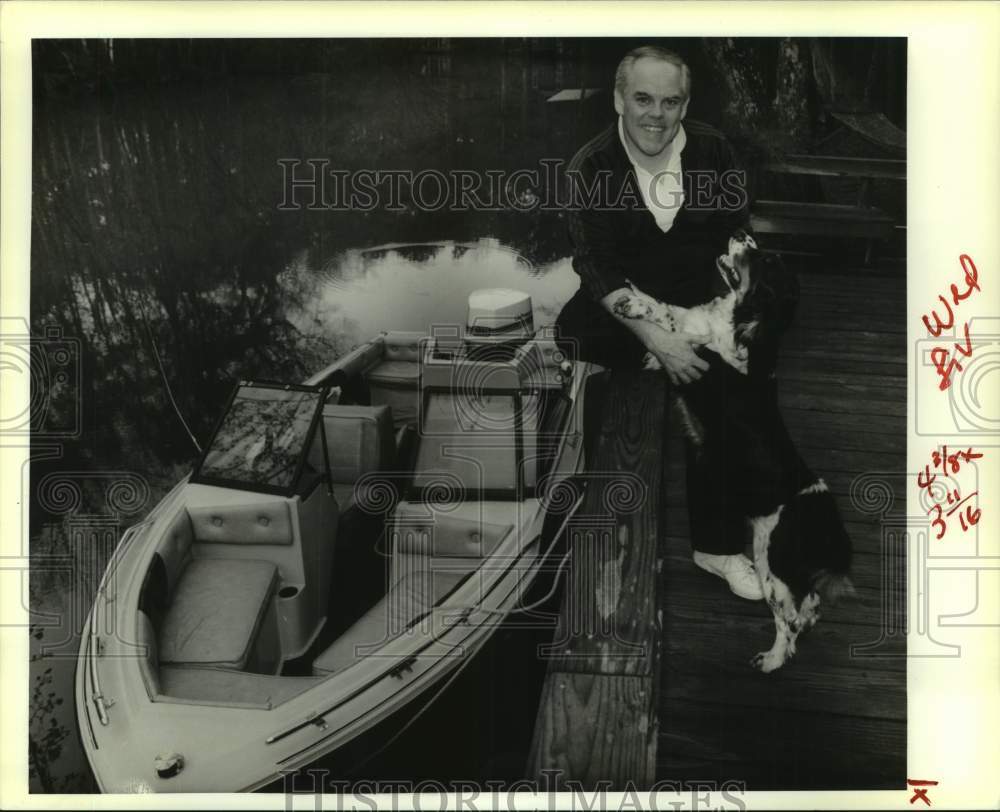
x,y
833,586
779,292
766,310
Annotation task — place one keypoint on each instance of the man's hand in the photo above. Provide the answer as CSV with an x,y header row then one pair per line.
x,y
676,353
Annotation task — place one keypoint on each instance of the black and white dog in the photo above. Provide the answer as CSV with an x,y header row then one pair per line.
x,y
802,552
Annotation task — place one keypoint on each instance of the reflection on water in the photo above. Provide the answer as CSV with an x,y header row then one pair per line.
x,y
360,293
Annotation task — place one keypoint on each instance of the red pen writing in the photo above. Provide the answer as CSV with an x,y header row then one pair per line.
x,y
945,360
920,789
949,464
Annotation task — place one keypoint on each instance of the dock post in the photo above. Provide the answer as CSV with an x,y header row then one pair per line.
x,y
597,718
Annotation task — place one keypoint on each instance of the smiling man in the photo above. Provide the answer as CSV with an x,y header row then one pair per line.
x,y
656,197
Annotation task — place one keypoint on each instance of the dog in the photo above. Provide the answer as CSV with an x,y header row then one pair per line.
x,y
802,552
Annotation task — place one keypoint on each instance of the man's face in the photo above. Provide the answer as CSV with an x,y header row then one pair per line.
x,y
652,105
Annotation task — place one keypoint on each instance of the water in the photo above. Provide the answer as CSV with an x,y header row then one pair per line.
x,y
418,287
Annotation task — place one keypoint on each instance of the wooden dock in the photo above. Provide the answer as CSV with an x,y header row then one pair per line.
x,y
835,716
597,715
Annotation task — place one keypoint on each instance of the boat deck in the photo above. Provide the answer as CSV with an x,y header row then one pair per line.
x,y
829,719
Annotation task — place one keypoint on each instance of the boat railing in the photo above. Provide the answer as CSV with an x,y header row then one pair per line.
x,y
93,633
352,363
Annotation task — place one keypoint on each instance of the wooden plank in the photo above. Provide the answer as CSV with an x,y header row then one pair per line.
x,y
889,288
714,665
597,717
816,360
769,223
820,453
891,430
818,430
799,390
838,401
837,166
892,387
877,310
787,217
596,727
826,314
777,749
869,282
733,636
841,346
832,212
606,621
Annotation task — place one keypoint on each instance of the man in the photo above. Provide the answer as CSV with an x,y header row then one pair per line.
x,y
655,201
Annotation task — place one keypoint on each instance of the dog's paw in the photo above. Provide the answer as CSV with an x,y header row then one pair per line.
x,y
651,362
766,661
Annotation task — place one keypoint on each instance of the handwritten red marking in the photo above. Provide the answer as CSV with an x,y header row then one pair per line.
x,y
971,279
970,518
949,464
920,789
939,325
945,461
945,364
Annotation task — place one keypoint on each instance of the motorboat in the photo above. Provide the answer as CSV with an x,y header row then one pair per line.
x,y
240,631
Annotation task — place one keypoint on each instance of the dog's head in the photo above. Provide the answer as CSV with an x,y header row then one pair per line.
x,y
767,294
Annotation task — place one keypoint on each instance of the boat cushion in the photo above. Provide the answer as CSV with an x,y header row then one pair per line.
x,y
446,536
401,345
149,664
359,440
224,687
410,596
216,612
175,548
395,373
395,382
256,523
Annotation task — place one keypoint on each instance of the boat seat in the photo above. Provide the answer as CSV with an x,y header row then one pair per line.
x,y
359,441
214,686
395,380
216,611
265,522
408,598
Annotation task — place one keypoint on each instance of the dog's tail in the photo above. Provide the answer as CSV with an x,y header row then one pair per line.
x,y
833,586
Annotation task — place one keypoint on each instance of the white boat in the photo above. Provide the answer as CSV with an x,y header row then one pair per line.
x,y
220,653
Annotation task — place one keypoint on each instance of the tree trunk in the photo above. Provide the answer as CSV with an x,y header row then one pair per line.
x,y
791,100
738,66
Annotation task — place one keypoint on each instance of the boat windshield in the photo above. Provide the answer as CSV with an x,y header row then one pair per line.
x,y
260,444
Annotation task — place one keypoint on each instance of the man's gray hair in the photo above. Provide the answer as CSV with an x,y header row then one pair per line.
x,y
651,52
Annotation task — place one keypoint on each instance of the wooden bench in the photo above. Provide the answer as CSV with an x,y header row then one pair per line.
x,y
860,220
820,219
835,165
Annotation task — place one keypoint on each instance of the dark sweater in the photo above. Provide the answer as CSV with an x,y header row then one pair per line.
x,y
615,237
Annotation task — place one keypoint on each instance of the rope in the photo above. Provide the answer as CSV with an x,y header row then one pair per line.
x,y
163,376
